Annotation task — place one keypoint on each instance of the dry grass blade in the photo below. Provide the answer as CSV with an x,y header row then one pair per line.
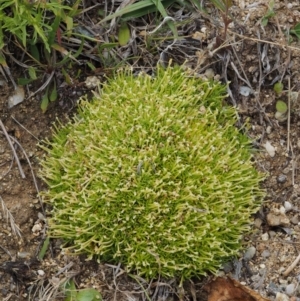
x,y
48,291
32,173
10,219
12,148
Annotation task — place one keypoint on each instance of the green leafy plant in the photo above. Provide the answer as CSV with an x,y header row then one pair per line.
x,y
89,294
36,28
269,14
296,30
153,174
223,6
278,88
281,111
142,8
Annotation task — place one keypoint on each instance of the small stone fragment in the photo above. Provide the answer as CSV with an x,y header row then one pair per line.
x,y
257,223
23,255
295,220
277,217
290,289
270,149
281,179
92,81
268,130
249,254
40,272
288,206
209,73
281,297
265,253
17,97
36,228
265,236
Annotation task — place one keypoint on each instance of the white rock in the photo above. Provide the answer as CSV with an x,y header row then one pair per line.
x,y
270,149
282,210
288,206
36,228
290,289
269,129
40,272
281,297
17,97
262,266
209,73
92,81
245,91
265,236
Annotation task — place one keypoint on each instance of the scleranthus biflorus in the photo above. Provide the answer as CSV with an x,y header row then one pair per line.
x,y
154,174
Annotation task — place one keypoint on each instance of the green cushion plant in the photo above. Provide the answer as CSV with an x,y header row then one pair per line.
x,y
154,174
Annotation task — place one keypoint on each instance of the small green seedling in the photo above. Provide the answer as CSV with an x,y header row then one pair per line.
x,y
223,6
296,31
89,294
281,107
44,248
123,34
281,111
278,87
270,13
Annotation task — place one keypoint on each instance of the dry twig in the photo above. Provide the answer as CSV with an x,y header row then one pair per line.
x,y
12,148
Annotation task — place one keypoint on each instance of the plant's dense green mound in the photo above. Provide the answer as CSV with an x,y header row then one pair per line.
x,y
153,174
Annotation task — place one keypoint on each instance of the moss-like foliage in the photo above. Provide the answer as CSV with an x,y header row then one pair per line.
x,y
153,174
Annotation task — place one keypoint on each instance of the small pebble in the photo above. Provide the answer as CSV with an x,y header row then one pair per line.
x,y
23,254
290,289
40,272
209,73
282,210
249,254
270,149
295,220
257,223
265,236
281,178
281,297
288,206
36,228
262,266
269,130
265,253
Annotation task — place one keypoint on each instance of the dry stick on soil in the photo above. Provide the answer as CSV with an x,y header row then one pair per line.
x,y
291,267
264,41
258,88
294,164
9,169
289,116
12,148
23,127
